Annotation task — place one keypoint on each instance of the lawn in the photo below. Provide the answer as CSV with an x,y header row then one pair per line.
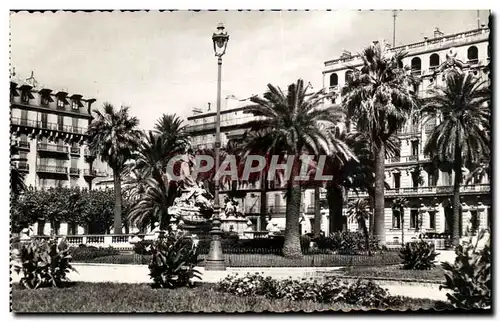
x,y
110,297
393,272
268,260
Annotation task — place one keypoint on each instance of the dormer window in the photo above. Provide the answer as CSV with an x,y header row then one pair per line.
x,y
60,103
74,104
45,100
25,97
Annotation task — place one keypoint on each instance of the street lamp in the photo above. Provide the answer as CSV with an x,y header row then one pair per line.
x,y
215,260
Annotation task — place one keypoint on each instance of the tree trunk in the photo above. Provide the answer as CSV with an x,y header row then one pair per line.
x,y
291,246
263,202
371,224
456,195
118,203
367,238
317,213
379,216
335,203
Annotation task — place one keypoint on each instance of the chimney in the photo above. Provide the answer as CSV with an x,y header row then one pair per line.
x,y
438,33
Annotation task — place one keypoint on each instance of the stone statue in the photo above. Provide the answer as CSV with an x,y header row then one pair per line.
x,y
452,63
188,181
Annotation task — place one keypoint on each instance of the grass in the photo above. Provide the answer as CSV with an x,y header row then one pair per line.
x,y
111,297
268,260
393,272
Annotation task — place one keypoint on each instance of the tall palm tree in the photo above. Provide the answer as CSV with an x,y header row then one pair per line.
x,y
114,137
292,124
358,210
379,98
462,138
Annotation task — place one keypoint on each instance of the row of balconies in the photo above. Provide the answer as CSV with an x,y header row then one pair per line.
x,y
425,191
56,148
48,126
407,159
41,168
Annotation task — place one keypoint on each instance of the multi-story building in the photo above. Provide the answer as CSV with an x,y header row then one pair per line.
x,y
409,175
49,127
412,174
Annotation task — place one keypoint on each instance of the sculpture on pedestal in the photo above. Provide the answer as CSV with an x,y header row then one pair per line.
x,y
452,63
195,204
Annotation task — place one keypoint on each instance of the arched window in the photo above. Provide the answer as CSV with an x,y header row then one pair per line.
x,y
334,79
433,61
416,66
348,76
472,55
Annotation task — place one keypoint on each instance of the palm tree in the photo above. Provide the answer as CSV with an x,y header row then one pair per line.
x,y
379,98
398,206
462,138
292,124
358,210
114,137
17,185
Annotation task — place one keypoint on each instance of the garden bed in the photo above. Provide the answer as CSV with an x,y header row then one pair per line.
x,y
268,260
110,297
392,272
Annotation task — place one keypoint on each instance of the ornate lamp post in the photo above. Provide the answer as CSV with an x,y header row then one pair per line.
x,y
215,260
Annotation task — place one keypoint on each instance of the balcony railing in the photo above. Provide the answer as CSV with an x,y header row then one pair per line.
x,y
48,125
333,88
74,171
52,148
409,191
406,159
75,150
23,144
416,72
89,172
23,166
51,169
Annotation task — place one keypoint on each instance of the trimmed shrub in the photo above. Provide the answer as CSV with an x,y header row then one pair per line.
x,y
469,278
84,253
43,264
173,260
418,255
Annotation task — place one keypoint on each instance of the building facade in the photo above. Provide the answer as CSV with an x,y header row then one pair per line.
x,y
49,127
411,174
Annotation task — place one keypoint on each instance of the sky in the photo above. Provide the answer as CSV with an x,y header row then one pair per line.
x,y
159,63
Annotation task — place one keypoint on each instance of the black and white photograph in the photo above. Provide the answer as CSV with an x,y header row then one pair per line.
x,y
228,161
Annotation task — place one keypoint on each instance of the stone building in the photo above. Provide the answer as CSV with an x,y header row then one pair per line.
x,y
410,174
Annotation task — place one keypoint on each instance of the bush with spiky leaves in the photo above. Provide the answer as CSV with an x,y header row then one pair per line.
x,y
43,264
469,277
418,255
173,261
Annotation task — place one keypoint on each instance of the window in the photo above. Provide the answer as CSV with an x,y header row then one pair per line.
x,y
488,217
414,147
41,226
416,66
72,228
397,180
474,221
448,179
433,61
472,55
74,104
60,103
60,122
432,220
414,219
24,117
45,100
348,76
25,96
334,79
396,219
44,118
415,178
